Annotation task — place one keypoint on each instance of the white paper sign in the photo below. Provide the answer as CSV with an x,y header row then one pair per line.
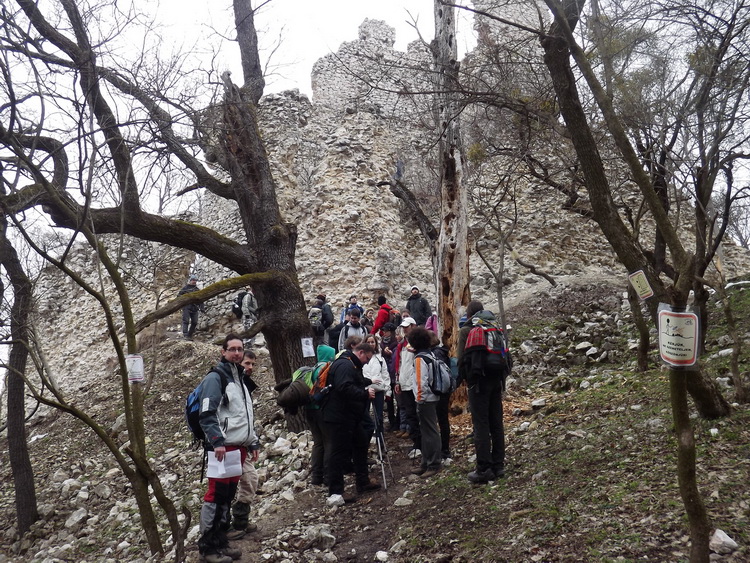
x,y
134,365
230,466
678,338
308,351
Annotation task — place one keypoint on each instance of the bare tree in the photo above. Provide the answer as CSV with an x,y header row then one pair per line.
x,y
82,125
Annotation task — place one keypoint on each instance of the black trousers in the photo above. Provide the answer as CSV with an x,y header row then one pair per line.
x,y
486,403
344,443
445,425
409,404
189,321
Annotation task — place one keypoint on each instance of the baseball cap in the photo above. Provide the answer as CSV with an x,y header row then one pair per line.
x,y
408,321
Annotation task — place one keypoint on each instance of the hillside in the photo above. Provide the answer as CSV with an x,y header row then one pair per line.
x,y
590,466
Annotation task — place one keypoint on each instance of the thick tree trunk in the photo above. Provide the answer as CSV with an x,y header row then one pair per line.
x,y
452,252
273,240
18,451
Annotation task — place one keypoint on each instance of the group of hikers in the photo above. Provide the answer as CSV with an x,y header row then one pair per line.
x,y
388,365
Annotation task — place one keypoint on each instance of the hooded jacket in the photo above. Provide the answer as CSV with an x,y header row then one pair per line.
x,y
227,419
419,308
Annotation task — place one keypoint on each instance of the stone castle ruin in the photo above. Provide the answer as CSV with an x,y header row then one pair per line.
x,y
364,126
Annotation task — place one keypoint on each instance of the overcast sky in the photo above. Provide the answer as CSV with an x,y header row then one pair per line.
x,y
309,29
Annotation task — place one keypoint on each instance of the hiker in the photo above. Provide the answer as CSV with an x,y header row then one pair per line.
x,y
441,352
426,401
388,345
485,383
227,421
405,387
315,317
335,332
190,312
314,419
343,412
418,306
352,328
376,370
249,314
367,319
383,316
432,323
327,315
351,306
248,485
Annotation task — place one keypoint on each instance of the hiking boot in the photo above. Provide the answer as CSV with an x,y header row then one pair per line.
x,y
231,552
430,472
481,477
418,471
234,534
499,473
216,558
369,486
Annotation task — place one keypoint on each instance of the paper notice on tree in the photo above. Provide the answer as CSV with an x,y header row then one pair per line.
x,y
308,350
230,466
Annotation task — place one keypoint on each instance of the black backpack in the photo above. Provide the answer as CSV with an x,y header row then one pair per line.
x,y
237,304
193,409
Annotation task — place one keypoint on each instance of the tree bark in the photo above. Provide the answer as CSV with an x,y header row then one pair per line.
x,y
451,258
18,450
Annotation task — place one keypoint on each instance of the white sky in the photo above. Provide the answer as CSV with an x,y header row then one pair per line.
x,y
310,29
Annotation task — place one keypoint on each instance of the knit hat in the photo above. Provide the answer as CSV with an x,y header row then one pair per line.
x,y
413,288
389,327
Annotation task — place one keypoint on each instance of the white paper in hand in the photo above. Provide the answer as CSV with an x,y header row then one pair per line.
x,y
230,466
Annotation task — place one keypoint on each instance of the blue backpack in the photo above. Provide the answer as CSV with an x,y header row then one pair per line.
x,y
193,409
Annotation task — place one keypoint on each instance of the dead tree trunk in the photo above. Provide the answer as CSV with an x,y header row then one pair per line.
x,y
451,257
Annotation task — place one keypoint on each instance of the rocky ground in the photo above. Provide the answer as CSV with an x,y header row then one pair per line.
x,y
591,465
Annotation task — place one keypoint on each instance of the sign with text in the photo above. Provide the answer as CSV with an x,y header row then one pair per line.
x,y
640,283
678,337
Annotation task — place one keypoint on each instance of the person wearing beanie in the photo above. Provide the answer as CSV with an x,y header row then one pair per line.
x,y
418,306
190,312
383,316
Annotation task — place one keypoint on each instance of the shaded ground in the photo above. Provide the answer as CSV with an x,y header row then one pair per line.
x,y
591,477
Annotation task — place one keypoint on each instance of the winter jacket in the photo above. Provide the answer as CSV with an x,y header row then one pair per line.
x,y
347,399
390,359
405,366
383,316
432,323
376,370
349,307
423,376
350,330
227,419
189,288
327,315
419,308
475,362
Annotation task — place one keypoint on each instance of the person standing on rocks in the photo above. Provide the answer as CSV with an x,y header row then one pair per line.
x,y
420,339
249,313
383,316
485,381
405,387
190,312
344,410
226,418
418,307
352,328
248,485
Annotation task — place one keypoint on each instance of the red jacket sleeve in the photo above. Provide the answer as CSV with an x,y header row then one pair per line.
x,y
381,318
